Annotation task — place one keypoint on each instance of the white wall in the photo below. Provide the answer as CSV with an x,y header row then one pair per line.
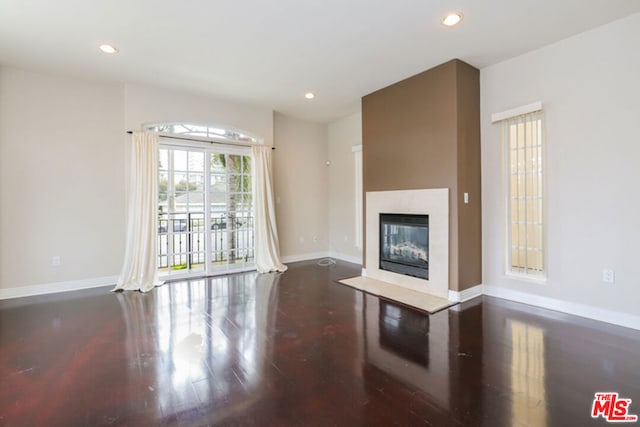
x,y
61,179
148,104
63,158
342,136
301,186
63,154
590,91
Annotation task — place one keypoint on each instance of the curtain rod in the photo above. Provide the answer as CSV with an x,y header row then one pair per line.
x,y
203,140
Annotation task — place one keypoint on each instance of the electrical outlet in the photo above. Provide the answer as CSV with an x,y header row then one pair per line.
x,y
301,240
55,261
608,275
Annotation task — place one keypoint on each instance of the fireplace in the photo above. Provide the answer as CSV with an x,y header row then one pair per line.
x,y
404,244
433,202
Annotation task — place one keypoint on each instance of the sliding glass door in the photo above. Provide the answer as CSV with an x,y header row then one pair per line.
x,y
205,210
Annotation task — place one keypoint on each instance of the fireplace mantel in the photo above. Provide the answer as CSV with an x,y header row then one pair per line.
x,y
432,202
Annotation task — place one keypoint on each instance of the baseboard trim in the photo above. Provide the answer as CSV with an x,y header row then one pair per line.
x,y
317,255
304,257
52,288
466,294
590,312
347,258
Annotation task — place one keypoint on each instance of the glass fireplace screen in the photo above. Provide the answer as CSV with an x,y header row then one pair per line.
x,y
404,244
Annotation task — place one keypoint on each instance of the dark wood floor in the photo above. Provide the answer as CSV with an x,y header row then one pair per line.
x,y
300,349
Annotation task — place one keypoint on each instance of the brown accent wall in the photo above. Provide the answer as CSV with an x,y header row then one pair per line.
x,y
469,176
424,132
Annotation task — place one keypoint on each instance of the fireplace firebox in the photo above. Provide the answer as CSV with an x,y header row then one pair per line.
x,y
404,244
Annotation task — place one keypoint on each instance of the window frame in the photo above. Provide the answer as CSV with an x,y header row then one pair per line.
x,y
231,135
207,149
534,113
358,186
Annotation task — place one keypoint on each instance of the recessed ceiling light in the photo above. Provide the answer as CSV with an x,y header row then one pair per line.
x,y
309,95
107,48
452,19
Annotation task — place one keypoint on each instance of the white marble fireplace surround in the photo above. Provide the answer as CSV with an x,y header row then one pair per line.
x,y
432,202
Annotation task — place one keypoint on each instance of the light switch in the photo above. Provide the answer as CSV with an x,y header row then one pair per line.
x,y
466,198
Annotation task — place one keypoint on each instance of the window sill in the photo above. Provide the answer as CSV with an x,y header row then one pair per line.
x,y
527,279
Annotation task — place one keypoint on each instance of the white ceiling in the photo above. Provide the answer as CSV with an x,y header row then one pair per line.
x,y
270,53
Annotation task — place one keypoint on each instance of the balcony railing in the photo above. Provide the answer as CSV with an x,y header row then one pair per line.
x,y
182,237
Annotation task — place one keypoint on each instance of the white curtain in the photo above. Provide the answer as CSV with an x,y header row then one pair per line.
x,y
267,252
139,271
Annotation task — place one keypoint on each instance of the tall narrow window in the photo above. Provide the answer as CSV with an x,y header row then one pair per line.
x,y
522,140
357,152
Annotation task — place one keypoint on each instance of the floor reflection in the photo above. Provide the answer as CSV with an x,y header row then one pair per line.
x,y
404,332
529,404
408,345
207,341
301,349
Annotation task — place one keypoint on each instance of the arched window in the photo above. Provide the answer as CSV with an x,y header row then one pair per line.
x,y
209,133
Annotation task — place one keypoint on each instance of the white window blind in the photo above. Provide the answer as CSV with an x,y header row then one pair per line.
x,y
357,153
522,139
